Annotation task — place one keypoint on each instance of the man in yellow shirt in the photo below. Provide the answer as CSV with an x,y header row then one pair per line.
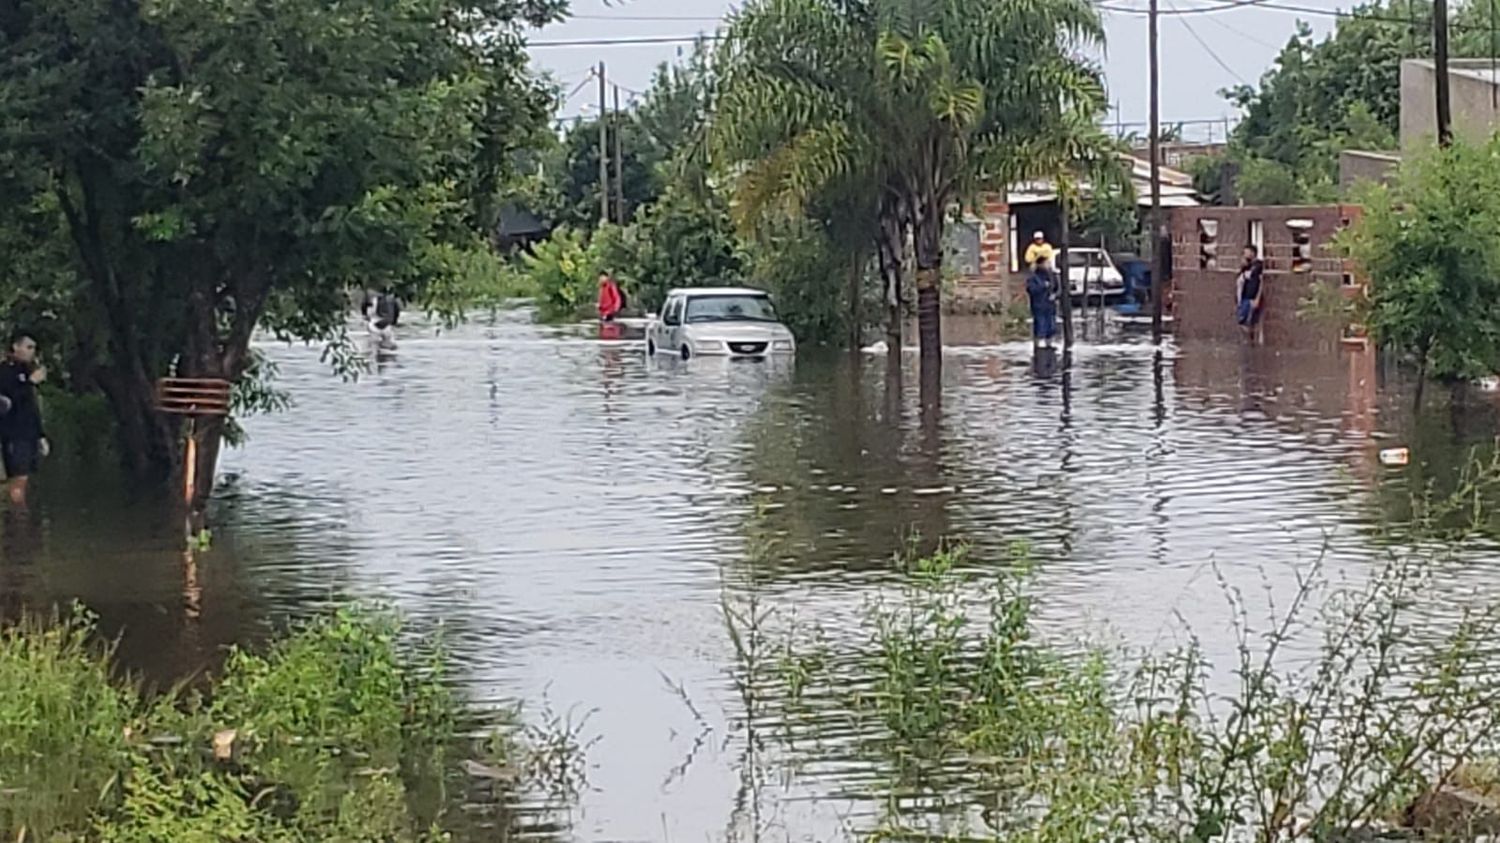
x,y
1039,250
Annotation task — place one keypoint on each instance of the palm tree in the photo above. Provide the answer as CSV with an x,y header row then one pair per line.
x,y
906,108
997,91
798,123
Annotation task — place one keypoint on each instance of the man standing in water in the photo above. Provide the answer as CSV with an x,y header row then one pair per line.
x,y
23,444
1039,288
1249,289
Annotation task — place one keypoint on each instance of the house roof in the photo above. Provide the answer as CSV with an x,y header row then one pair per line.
x,y
1481,70
1176,186
519,222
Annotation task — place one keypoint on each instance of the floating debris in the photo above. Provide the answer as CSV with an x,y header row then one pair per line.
x,y
1395,457
224,744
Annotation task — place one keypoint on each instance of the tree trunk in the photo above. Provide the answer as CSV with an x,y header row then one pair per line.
x,y
891,248
147,439
927,236
856,304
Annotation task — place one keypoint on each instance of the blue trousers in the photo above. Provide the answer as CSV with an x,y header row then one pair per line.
x,y
1043,322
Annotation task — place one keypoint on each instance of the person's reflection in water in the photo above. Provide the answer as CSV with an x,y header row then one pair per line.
x,y
895,387
612,371
384,358
1044,361
1159,395
21,535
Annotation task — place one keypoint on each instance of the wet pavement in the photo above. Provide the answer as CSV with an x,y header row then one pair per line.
x,y
573,516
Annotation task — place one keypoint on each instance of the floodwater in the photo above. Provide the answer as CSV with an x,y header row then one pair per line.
x,y
575,516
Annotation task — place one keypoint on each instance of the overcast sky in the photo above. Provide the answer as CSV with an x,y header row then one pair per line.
x,y
1201,53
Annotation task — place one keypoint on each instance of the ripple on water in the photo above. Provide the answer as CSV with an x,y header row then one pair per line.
x,y
573,514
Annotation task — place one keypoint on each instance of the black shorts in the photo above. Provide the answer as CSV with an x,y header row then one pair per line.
x,y
22,457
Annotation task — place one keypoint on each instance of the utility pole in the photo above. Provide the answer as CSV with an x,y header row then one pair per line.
x,y
1158,254
1060,268
1440,62
603,151
619,162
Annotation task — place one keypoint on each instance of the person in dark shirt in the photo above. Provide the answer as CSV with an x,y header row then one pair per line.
x,y
1250,288
23,443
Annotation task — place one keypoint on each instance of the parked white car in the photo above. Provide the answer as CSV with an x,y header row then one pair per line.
x,y
1096,264
732,321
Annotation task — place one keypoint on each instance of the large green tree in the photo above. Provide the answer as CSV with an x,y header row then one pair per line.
x,y
219,166
1431,248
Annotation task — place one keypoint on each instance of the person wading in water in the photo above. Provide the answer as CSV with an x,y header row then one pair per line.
x,y
1040,288
23,443
1249,290
611,298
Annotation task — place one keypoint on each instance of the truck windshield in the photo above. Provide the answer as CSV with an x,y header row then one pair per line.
x,y
730,308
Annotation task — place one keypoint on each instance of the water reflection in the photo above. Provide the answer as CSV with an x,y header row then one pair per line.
x,y
575,517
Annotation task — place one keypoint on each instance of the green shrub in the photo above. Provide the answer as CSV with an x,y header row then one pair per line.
x,y
342,731
564,274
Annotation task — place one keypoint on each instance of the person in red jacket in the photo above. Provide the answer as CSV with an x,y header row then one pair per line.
x,y
611,299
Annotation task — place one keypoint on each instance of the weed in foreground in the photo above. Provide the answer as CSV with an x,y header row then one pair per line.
x,y
342,731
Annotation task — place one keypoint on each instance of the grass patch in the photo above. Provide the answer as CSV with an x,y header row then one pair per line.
x,y
345,730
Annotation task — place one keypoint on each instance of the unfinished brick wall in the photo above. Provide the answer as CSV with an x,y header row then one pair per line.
x,y
1204,278
994,236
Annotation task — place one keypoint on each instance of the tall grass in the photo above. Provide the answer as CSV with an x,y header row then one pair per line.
x,y
985,731
65,728
343,731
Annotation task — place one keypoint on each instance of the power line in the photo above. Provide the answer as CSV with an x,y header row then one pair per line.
x,y
1272,5
1207,49
687,18
627,42
1225,6
587,79
1242,34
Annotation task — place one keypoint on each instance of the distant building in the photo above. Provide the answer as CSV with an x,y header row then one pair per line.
x,y
518,229
1358,166
1473,93
1474,99
1180,155
986,246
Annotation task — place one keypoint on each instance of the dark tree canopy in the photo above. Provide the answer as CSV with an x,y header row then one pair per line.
x,y
218,166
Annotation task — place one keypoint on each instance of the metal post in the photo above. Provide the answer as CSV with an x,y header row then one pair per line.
x,y
190,465
1158,270
1440,61
1065,286
619,162
603,151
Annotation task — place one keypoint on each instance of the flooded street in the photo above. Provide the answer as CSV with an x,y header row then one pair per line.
x,y
574,517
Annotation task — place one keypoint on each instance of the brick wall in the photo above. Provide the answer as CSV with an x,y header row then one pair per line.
x,y
994,236
1203,290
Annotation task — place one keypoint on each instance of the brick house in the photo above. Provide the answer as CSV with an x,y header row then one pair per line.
x,y
1296,243
987,244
